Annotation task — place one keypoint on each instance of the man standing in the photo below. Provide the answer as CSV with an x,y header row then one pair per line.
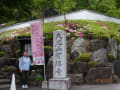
x,y
24,67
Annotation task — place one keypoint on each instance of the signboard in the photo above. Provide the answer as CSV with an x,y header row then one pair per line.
x,y
37,43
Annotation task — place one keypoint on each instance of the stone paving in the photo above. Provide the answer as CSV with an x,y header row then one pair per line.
x,y
97,87
82,87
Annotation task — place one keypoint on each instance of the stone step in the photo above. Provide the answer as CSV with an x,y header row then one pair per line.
x,y
4,86
2,77
4,81
3,73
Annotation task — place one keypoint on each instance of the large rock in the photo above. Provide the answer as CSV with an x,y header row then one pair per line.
x,y
99,56
79,46
99,75
3,61
48,53
96,44
115,78
7,61
117,68
8,50
112,47
118,52
0,46
49,69
76,79
69,64
82,67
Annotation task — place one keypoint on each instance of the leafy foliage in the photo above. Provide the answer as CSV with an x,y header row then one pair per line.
x,y
63,6
85,57
37,78
22,10
48,47
74,29
18,52
92,64
2,53
9,69
111,57
118,57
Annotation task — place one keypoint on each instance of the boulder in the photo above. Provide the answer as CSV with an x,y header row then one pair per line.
x,y
118,52
117,68
48,53
112,47
8,50
79,46
49,69
76,79
82,67
0,46
99,56
7,61
69,63
3,61
99,75
96,44
116,79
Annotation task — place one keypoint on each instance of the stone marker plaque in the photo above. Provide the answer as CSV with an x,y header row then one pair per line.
x,y
59,54
60,81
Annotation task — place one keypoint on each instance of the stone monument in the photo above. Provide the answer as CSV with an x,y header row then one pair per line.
x,y
60,81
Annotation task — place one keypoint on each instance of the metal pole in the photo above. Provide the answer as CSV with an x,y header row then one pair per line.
x,y
44,56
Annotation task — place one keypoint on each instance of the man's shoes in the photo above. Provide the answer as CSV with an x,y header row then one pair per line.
x,y
23,86
26,86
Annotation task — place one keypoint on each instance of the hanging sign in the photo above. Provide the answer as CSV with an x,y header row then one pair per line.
x,y
37,43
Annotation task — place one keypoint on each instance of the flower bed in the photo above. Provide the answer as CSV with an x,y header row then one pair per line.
x,y
78,28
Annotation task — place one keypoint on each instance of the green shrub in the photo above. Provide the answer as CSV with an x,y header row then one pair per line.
x,y
111,57
9,69
2,53
34,67
37,78
69,47
18,52
92,64
89,28
48,47
117,39
75,71
118,57
49,36
85,57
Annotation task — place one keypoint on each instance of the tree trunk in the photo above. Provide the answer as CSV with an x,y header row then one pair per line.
x,y
98,4
65,18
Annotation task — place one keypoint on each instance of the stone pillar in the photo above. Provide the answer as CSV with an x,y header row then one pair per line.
x,y
60,80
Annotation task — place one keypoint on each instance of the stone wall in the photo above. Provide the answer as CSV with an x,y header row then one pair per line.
x,y
80,72
99,51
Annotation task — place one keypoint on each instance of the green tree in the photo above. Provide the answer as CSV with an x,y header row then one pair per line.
x,y
118,3
64,6
107,5
81,4
15,10
93,4
40,7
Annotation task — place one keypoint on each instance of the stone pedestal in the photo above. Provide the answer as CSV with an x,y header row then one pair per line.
x,y
60,80
60,84
44,84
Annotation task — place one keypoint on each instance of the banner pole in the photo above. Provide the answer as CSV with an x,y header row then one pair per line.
x,y
44,55
44,73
